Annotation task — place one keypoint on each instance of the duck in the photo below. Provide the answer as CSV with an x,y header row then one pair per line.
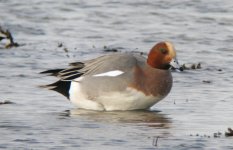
x,y
118,81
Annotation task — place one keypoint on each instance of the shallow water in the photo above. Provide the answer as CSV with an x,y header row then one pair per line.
x,y
41,119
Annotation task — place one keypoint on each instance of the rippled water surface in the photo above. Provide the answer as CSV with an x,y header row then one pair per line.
x,y
199,105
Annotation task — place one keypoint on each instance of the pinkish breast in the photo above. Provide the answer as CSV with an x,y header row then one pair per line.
x,y
152,81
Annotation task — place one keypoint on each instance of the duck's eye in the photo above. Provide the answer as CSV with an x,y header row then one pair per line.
x,y
163,50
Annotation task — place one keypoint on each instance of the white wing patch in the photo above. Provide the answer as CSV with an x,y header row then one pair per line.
x,y
110,74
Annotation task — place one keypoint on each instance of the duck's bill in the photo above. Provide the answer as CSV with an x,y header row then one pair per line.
x,y
175,65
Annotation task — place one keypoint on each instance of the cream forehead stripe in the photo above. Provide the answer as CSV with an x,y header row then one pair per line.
x,y
110,74
171,47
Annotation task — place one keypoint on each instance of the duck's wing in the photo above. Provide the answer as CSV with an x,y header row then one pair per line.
x,y
100,65
66,74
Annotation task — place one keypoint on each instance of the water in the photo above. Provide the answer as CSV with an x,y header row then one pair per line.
x,y
40,119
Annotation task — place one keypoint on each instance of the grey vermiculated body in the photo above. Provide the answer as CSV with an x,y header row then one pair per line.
x,y
151,79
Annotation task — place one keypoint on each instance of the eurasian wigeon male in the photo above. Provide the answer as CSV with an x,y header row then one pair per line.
x,y
118,81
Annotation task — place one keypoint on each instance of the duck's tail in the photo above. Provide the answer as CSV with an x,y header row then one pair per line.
x,y
60,86
65,78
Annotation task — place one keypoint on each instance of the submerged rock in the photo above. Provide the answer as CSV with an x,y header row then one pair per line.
x,y
108,49
191,66
6,102
229,133
6,34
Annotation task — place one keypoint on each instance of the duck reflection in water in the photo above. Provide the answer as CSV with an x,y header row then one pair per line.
x,y
140,118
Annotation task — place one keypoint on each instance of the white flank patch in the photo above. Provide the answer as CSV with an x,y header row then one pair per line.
x,y
78,98
130,99
78,79
110,74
